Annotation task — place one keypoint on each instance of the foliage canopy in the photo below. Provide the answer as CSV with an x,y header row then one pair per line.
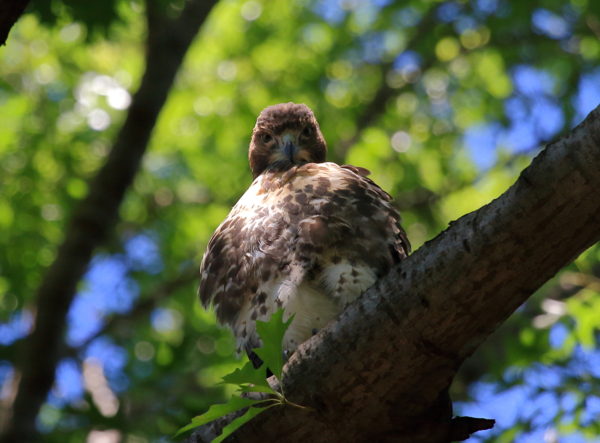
x,y
444,101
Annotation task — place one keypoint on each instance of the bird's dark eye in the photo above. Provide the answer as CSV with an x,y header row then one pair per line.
x,y
266,138
307,131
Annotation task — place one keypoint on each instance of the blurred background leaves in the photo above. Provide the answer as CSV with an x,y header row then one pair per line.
x,y
444,101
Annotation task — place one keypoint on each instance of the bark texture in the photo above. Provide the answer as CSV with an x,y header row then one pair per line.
x,y
94,216
381,372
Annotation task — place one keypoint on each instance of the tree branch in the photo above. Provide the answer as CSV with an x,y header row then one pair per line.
x,y
10,11
371,111
142,307
95,215
382,370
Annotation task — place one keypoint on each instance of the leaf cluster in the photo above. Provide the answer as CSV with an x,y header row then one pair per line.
x,y
249,379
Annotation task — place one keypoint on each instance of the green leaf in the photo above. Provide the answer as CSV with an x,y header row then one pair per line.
x,y
271,333
238,422
216,411
256,388
247,374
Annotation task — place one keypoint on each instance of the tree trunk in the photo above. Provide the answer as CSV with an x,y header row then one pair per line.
x,y
95,215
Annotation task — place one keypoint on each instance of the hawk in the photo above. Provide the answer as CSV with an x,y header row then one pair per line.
x,y
308,235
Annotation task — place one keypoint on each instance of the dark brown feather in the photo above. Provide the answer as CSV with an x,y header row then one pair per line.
x,y
307,236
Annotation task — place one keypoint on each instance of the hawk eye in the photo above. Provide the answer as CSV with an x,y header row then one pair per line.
x,y
307,131
266,138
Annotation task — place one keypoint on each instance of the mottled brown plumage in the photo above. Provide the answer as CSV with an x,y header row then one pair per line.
x,y
308,236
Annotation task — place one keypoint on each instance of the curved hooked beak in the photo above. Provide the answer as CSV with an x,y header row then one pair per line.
x,y
289,147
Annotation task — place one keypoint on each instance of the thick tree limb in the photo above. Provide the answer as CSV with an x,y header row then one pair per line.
x,y
94,216
10,11
381,371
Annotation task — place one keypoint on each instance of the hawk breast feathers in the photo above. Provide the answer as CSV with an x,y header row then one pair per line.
x,y
309,239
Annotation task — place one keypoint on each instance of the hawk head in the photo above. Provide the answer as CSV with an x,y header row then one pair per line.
x,y
286,134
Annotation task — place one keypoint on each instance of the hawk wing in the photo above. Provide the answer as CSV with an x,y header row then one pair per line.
x,y
309,239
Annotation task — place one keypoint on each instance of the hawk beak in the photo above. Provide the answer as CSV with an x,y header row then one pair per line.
x,y
289,147
289,150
